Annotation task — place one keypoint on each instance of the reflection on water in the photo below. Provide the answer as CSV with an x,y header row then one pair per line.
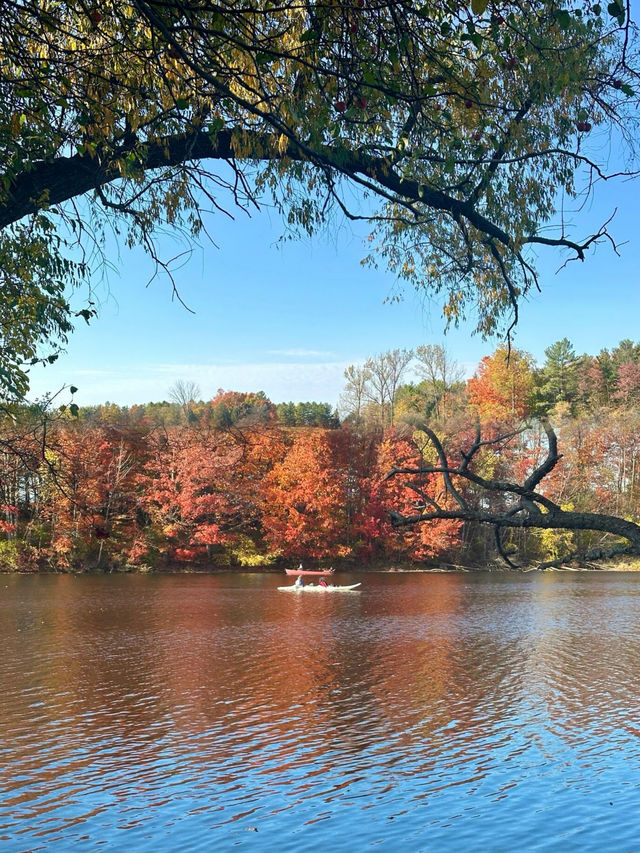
x,y
426,712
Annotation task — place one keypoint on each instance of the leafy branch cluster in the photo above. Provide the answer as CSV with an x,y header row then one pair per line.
x,y
460,127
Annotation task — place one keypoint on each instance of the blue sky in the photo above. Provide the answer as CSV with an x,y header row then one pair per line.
x,y
287,318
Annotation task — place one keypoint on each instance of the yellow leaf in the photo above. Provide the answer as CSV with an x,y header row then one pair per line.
x,y
283,142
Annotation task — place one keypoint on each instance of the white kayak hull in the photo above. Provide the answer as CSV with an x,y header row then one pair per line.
x,y
310,587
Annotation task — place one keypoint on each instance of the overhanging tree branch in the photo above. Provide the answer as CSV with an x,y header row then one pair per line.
x,y
448,120
51,183
525,507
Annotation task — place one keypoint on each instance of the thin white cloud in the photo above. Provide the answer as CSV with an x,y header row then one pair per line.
x,y
301,353
81,371
281,382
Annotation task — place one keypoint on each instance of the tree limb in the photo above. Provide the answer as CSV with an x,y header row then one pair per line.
x,y
532,510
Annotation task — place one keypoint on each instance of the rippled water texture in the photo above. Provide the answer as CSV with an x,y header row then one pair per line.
x,y
425,712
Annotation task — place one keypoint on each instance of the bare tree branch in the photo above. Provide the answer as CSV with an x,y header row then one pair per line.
x,y
532,509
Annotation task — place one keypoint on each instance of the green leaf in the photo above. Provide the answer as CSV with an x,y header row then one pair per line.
x,y
182,103
564,19
86,313
73,389
616,10
478,6
474,38
309,35
73,408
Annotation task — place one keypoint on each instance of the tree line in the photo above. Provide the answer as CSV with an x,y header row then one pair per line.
x,y
508,382
240,481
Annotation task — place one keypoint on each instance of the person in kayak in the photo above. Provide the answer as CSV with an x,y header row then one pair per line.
x,y
322,582
298,581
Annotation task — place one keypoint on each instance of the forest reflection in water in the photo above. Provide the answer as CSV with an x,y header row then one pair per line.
x,y
428,711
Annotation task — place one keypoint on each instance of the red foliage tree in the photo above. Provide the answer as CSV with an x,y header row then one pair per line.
x,y
89,491
379,536
200,490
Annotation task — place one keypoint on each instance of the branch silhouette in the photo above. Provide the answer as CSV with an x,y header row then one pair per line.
x,y
525,506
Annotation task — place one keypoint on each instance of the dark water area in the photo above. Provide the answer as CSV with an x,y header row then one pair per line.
x,y
426,712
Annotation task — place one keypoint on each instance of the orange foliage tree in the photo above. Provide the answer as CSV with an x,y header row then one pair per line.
x,y
306,496
502,388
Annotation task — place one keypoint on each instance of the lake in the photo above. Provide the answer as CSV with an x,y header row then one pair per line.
x,y
425,712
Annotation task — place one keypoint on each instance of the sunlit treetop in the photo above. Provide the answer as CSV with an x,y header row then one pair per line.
x,y
461,128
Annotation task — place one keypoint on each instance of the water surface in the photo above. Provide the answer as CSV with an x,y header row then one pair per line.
x,y
426,712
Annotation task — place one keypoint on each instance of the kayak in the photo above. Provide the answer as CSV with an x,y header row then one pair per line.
x,y
318,588
309,572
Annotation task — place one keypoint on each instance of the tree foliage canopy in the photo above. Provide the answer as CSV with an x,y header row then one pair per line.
x,y
460,125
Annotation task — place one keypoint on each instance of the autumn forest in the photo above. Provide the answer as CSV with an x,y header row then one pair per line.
x,y
239,481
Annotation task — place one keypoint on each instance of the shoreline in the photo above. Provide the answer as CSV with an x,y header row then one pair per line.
x,y
621,565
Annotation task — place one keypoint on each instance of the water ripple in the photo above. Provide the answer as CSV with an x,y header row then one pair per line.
x,y
429,712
